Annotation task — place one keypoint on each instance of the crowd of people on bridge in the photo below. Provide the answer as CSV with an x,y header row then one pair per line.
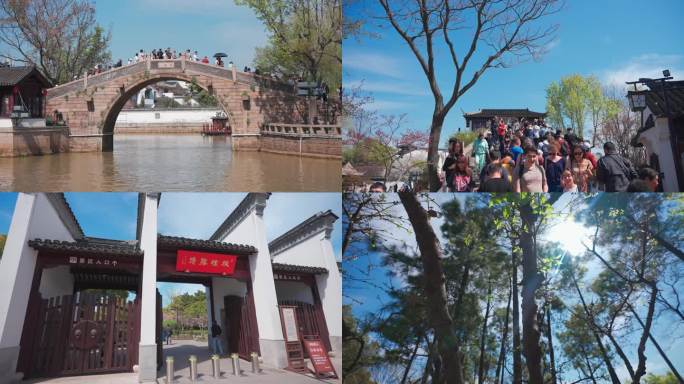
x,y
529,156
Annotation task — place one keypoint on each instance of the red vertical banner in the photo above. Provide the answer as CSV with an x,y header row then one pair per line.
x,y
204,262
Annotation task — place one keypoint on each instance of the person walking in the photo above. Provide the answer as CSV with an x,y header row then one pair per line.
x,y
650,176
554,165
528,175
480,151
614,172
463,176
495,181
581,168
216,340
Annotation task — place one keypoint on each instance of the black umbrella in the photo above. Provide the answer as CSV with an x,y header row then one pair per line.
x,y
220,54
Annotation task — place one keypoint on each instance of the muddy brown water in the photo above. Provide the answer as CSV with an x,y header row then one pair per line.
x,y
145,163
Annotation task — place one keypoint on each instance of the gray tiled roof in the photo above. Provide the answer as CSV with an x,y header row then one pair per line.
x,y
90,245
279,267
504,113
208,245
13,75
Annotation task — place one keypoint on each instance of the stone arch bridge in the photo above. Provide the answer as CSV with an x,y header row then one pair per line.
x,y
257,106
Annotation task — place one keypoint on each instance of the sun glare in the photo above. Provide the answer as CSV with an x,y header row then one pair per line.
x,y
570,234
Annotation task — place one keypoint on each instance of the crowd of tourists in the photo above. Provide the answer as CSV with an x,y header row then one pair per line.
x,y
528,156
161,54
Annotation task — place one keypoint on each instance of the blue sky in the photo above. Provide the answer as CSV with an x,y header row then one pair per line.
x,y
616,40
208,26
196,215
368,299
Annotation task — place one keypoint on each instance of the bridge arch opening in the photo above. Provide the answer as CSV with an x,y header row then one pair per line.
x,y
127,93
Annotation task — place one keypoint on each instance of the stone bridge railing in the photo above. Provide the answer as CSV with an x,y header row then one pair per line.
x,y
303,130
169,67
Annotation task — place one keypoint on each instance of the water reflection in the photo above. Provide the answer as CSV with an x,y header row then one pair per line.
x,y
169,163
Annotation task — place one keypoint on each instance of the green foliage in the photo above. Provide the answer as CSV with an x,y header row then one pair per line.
x,y
61,50
668,378
358,351
305,41
3,239
575,98
467,137
188,310
200,95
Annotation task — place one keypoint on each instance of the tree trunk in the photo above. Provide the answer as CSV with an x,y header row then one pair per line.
x,y
433,152
517,358
590,320
621,353
530,282
410,362
641,366
660,350
483,337
504,337
549,337
439,318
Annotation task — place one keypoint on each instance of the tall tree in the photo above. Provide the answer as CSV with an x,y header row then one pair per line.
x,y
502,33
305,41
60,37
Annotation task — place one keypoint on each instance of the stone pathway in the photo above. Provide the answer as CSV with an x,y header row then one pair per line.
x,y
181,350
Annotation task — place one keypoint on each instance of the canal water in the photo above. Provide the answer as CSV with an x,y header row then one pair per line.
x,y
150,163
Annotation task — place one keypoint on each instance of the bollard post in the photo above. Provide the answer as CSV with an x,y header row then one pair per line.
x,y
216,366
169,370
236,363
193,368
255,363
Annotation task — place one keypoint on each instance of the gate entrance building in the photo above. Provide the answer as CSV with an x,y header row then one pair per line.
x,y
57,316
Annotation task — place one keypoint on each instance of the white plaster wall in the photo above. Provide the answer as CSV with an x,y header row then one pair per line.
x,y
657,140
317,251
308,253
46,224
166,116
252,231
33,217
148,243
294,290
56,281
330,290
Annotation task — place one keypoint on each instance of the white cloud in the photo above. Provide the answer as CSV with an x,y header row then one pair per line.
x,y
647,65
374,63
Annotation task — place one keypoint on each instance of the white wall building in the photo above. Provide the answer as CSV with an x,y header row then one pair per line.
x,y
663,136
48,262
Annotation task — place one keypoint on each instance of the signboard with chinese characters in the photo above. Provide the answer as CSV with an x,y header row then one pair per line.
x,y
290,324
204,262
93,261
319,358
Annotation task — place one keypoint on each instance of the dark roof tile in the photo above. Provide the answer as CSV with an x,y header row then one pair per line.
x,y
13,75
209,245
90,246
279,267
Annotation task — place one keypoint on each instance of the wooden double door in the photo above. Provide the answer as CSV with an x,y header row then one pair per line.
x,y
82,334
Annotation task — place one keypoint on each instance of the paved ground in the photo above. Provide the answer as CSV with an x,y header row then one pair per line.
x,y
181,350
